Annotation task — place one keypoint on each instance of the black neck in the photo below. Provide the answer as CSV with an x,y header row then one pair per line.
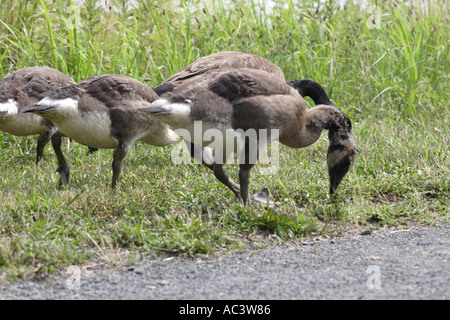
x,y
310,88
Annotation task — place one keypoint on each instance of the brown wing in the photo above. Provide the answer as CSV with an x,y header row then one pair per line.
x,y
115,90
248,98
246,82
223,60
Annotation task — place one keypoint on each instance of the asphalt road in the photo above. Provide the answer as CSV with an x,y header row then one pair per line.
x,y
388,264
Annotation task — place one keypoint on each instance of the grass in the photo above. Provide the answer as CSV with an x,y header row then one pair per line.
x,y
393,82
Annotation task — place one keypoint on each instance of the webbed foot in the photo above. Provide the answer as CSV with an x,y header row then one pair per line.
x,y
262,198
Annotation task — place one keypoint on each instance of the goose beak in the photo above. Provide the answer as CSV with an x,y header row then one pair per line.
x,y
335,180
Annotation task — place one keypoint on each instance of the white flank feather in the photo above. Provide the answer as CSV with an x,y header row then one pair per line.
x,y
90,128
19,124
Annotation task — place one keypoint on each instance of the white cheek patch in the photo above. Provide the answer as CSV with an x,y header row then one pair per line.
x,y
10,107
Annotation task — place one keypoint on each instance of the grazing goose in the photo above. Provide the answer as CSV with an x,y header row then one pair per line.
x,y
25,87
236,101
228,60
101,112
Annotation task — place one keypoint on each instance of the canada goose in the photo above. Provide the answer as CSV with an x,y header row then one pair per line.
x,y
228,60
25,87
101,112
243,99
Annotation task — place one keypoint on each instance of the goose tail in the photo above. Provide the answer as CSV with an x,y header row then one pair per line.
x,y
62,105
8,107
37,108
172,113
155,111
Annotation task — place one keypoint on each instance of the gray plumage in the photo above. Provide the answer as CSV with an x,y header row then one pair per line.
x,y
220,61
245,99
229,60
101,112
23,88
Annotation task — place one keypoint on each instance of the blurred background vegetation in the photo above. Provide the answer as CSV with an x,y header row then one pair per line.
x,y
396,58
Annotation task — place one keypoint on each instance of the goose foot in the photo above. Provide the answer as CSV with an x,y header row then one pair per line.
x,y
262,198
64,174
92,150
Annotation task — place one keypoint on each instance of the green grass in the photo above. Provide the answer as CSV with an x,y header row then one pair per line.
x,y
393,82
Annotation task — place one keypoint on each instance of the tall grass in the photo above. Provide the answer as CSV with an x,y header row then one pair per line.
x,y
393,81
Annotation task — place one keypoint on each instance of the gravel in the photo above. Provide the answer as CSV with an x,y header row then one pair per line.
x,y
388,264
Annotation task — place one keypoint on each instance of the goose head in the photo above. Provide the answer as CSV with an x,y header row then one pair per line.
x,y
341,152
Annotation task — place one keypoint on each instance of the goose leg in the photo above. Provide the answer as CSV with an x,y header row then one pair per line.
x,y
119,153
244,180
43,139
63,167
92,150
219,159
246,163
222,176
199,154
261,197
